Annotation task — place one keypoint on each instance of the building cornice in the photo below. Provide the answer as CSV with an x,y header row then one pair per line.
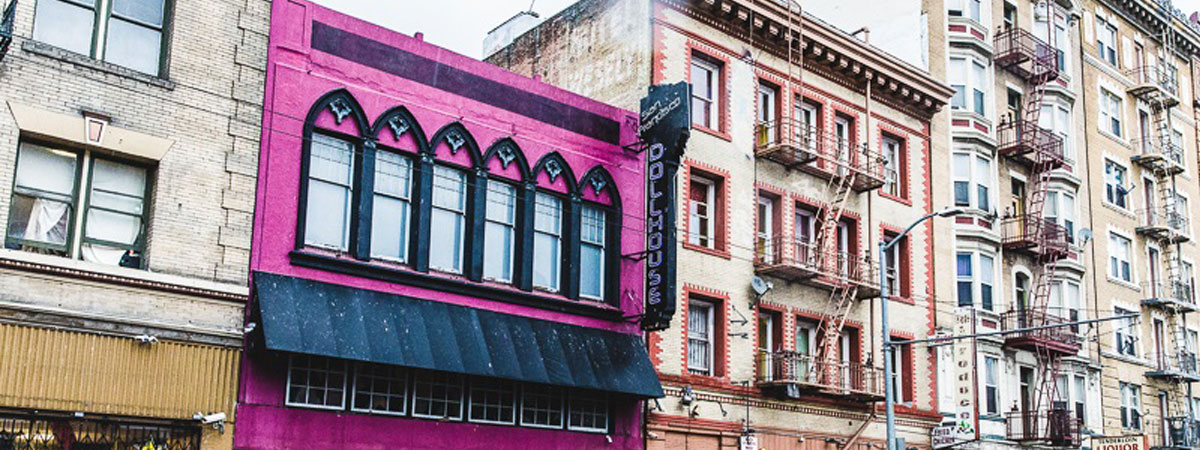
x,y
767,25
1152,16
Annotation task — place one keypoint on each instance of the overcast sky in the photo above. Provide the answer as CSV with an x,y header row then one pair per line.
x,y
460,25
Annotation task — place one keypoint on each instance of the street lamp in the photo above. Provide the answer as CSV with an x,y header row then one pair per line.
x,y
888,388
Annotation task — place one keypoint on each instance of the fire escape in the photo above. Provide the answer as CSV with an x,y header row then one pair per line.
x,y
823,258
1164,220
1046,420
6,27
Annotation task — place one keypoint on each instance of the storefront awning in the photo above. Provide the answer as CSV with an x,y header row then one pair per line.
x,y
310,317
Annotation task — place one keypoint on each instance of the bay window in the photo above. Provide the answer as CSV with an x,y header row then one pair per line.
x,y
969,78
972,171
547,241
447,219
1057,119
976,275
498,234
46,202
128,33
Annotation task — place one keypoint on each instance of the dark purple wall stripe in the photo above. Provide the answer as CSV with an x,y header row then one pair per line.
x,y
377,55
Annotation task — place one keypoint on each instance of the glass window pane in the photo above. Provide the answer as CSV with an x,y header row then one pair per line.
x,y
328,215
113,227
133,46
64,25
448,188
446,237
389,228
39,219
549,214
498,231
146,11
44,169
117,186
392,174
331,159
591,283
545,261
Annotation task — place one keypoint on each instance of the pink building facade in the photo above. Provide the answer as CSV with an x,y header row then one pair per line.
x,y
440,253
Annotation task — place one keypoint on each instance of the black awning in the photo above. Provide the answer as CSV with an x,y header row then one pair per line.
x,y
310,317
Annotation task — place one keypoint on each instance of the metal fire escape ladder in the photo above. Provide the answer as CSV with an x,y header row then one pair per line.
x,y
844,292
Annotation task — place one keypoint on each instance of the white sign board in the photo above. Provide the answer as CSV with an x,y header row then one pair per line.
x,y
748,442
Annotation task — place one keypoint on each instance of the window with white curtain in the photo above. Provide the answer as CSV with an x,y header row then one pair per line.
x,y
447,219
128,33
499,231
699,337
592,253
45,199
390,210
330,188
547,241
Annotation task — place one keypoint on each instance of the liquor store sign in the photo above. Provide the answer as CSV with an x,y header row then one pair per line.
x,y
1135,442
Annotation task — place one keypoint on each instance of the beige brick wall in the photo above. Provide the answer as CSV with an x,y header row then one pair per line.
x,y
202,192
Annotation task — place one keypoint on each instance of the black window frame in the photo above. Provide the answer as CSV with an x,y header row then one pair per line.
x,y
103,14
470,280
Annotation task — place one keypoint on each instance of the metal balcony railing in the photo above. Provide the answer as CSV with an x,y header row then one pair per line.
x,y
52,433
1182,433
813,374
1178,365
1024,55
1056,427
1039,235
805,261
794,144
1028,143
1062,340
1173,293
1158,153
1163,222
1153,83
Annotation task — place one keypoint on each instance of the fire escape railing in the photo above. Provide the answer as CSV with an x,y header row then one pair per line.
x,y
794,144
1057,427
6,27
782,367
1020,52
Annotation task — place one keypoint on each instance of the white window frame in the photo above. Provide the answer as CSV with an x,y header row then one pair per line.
x,y
312,211
711,102
460,211
1115,239
555,393
287,392
403,396
709,340
991,382
974,77
511,224
892,159
405,199
1112,114
1127,328
462,401
1117,187
976,278
1131,402
1107,31
602,399
765,231
471,390
975,179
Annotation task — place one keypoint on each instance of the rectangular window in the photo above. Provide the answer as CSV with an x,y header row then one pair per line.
x,y
893,170
437,396
1079,395
701,202
591,267
764,243
380,388
45,200
991,370
1131,406
957,74
962,179
447,223
542,406
316,382
330,187
547,241
1106,40
705,79
587,411
767,128
498,229
969,78
1115,176
1125,333
901,371
978,80
390,211
965,280
983,183
700,337
133,30
1110,113
1119,251
493,401
896,277
986,281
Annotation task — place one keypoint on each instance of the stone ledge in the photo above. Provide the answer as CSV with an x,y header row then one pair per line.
x,y
52,52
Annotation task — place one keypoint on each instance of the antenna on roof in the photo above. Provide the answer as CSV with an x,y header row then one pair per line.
x,y
531,2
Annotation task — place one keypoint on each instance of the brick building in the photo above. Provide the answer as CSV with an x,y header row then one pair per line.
x,y
128,148
802,157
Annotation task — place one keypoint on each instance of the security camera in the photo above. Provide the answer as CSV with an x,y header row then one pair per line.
x,y
209,419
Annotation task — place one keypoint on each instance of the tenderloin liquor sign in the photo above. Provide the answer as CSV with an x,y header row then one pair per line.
x,y
664,126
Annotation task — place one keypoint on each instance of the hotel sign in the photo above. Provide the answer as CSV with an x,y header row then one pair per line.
x,y
966,423
664,124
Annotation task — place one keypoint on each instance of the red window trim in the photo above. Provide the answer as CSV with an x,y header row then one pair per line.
x,y
720,338
694,50
721,211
